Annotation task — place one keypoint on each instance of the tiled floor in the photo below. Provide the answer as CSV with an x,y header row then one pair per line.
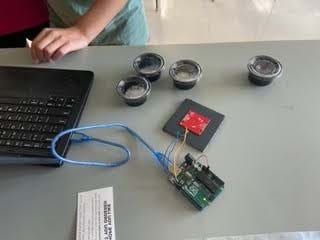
x,y
202,21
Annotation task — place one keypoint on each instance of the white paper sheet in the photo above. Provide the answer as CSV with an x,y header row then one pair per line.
x,y
274,236
95,218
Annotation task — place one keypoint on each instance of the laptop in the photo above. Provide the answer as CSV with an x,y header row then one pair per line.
x,y
35,105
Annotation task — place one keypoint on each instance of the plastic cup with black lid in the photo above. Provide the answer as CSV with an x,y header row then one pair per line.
x,y
149,65
134,90
263,70
185,73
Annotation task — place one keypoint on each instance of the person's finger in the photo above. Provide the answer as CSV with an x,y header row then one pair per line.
x,y
50,49
41,35
63,50
44,38
43,43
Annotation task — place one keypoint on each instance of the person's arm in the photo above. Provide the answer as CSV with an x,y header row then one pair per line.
x,y
54,43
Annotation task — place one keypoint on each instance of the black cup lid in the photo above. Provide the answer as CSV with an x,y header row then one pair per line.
x,y
264,67
148,63
185,71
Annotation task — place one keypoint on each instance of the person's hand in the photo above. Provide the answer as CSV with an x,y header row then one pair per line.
x,y
54,43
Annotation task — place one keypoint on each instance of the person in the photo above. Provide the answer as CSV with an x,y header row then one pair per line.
x,y
21,19
78,23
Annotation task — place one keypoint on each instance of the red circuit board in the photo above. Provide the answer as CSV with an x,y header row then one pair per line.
x,y
194,122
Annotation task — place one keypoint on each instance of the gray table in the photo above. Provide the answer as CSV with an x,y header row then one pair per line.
x,y
267,151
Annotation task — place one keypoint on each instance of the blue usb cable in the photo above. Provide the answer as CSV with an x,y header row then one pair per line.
x,y
160,158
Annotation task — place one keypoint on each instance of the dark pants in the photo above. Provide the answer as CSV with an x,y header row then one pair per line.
x,y
18,39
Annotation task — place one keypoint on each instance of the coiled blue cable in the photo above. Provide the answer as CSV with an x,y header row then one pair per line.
x,y
160,158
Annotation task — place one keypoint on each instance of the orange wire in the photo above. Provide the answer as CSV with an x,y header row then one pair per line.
x,y
178,151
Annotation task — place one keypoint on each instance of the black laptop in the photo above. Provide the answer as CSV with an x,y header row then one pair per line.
x,y
35,105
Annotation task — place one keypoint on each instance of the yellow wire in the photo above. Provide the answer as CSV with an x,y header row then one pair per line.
x,y
178,151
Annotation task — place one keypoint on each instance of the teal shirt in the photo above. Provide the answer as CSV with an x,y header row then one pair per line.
x,y
128,27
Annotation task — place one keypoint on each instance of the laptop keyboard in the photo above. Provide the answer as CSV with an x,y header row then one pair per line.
x,y
31,123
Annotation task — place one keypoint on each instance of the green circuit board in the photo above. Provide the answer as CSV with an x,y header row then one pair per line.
x,y
197,183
